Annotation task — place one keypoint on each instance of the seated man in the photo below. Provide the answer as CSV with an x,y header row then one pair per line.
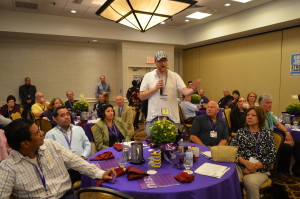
x,y
208,129
40,106
11,108
289,146
125,112
37,168
188,109
226,99
70,102
204,99
237,115
70,136
101,102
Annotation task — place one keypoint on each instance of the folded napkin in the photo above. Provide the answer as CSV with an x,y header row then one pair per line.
x,y
118,147
182,158
119,172
135,173
184,177
104,156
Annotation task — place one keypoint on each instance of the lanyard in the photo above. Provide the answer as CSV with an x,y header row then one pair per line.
x,y
256,141
66,135
43,107
211,125
41,175
113,130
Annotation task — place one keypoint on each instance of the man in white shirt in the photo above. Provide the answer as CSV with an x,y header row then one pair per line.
x,y
70,136
160,88
37,168
189,109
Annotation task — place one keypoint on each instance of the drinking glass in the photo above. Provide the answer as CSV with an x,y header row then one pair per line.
x,y
188,163
122,162
151,166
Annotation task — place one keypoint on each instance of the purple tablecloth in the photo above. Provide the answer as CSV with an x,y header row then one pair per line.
x,y
202,112
202,187
88,131
295,133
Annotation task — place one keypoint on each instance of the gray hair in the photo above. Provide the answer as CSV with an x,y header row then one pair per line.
x,y
264,97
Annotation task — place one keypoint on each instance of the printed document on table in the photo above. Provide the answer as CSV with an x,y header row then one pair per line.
x,y
212,170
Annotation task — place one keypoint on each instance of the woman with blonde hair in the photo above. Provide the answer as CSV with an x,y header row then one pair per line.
x,y
251,99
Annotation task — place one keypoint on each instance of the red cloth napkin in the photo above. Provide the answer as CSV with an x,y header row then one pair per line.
x,y
182,158
104,156
119,172
184,177
118,147
135,173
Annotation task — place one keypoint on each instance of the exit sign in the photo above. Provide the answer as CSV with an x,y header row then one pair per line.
x,y
150,60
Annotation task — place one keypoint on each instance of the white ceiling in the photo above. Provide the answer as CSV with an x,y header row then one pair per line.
x,y
86,9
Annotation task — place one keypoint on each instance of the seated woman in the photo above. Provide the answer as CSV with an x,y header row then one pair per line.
x,y
11,110
251,99
235,95
256,151
109,129
238,116
48,114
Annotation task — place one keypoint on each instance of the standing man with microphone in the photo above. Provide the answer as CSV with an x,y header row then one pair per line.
x,y
160,87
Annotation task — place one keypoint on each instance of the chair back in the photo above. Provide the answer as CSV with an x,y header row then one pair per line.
x,y
181,114
93,146
227,112
278,143
101,192
44,125
16,115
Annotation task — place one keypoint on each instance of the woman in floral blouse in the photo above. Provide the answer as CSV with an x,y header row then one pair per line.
x,y
256,152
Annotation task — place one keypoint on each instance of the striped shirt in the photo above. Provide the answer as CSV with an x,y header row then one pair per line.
x,y
18,175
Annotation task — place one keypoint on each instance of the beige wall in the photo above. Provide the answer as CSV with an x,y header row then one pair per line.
x,y
55,67
258,63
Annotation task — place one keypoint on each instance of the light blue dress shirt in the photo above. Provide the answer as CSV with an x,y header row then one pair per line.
x,y
80,144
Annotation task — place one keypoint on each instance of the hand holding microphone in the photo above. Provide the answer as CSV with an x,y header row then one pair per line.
x,y
160,84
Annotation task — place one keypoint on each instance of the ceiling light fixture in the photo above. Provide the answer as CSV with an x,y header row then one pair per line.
x,y
187,20
198,15
227,4
163,22
73,11
141,14
242,1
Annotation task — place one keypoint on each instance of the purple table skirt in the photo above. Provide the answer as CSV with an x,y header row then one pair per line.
x,y
202,112
202,186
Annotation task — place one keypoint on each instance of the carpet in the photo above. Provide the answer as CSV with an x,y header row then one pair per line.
x,y
290,183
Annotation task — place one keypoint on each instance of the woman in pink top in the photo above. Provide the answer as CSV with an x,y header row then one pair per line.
x,y
4,148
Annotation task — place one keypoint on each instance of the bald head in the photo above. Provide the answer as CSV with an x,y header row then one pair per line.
x,y
212,109
119,100
39,97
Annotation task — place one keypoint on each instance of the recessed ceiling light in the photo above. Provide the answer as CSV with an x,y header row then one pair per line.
x,y
162,22
73,11
198,15
187,20
227,4
94,40
242,1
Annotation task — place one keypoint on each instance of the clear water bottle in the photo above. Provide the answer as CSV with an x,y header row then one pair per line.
x,y
180,147
189,154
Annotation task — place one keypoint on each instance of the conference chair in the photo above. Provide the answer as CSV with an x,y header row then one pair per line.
x,y
185,128
93,146
44,125
101,192
227,112
267,185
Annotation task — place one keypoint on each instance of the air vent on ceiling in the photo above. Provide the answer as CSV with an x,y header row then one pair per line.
x,y
20,4
77,1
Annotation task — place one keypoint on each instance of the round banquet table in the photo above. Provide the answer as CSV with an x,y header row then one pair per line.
x,y
227,186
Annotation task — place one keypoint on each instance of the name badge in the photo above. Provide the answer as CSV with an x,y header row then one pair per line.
x,y
165,111
213,134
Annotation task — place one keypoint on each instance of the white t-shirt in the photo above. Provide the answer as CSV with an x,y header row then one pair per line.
x,y
156,102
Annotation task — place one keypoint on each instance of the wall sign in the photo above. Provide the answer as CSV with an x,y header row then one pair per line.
x,y
295,65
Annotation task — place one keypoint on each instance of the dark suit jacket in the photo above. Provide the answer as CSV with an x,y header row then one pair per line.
x,y
27,94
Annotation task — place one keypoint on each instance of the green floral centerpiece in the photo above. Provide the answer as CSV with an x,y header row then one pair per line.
x,y
195,99
293,108
81,105
163,131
